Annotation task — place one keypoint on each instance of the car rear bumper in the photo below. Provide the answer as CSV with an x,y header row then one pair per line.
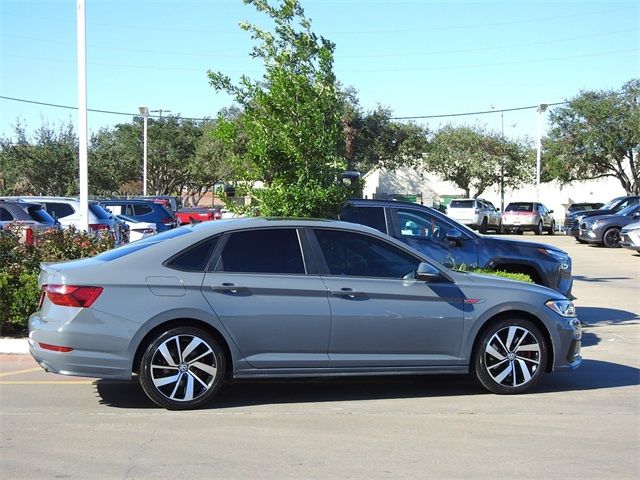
x,y
93,350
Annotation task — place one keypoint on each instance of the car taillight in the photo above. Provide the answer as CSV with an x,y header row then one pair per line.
x,y
28,236
55,348
98,226
168,221
72,295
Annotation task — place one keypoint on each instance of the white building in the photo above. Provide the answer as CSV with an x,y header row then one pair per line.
x,y
407,183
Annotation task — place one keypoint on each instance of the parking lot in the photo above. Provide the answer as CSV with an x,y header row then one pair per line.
x,y
580,424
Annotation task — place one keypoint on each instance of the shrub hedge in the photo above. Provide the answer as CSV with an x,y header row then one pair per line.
x,y
20,265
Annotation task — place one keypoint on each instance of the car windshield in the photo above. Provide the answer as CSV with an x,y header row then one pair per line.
x,y
630,210
519,207
611,204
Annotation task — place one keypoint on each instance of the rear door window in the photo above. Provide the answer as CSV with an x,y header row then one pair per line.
x,y
262,251
141,209
59,210
5,215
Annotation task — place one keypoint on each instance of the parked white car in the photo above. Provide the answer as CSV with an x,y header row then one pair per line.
x,y
630,236
137,229
476,213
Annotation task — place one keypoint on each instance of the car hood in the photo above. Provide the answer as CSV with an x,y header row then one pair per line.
x,y
507,242
590,213
470,283
619,220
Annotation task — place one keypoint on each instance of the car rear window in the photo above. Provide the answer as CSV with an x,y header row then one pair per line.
x,y
370,216
140,244
519,207
461,204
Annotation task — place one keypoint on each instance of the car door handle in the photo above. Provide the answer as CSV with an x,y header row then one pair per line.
x,y
346,292
228,287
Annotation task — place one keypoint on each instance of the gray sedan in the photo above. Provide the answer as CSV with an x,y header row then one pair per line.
x,y
256,298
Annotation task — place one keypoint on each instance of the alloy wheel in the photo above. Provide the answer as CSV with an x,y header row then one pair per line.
x,y
182,368
512,356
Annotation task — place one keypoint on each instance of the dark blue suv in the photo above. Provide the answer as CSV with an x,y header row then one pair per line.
x,y
142,211
455,245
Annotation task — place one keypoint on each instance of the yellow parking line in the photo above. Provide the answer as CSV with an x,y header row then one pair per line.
x,y
18,372
46,382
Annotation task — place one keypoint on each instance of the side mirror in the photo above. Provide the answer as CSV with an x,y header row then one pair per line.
x,y
454,235
427,272
550,211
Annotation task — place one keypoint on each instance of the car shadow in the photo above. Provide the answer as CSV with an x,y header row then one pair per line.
x,y
592,375
582,278
594,316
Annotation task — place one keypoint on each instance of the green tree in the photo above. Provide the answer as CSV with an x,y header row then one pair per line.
x,y
45,163
291,118
596,135
373,140
474,159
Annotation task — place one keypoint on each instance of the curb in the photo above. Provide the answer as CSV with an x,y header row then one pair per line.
x,y
14,346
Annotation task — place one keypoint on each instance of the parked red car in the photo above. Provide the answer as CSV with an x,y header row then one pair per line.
x,y
197,214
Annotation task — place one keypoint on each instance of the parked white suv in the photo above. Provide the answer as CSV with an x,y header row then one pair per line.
x,y
476,213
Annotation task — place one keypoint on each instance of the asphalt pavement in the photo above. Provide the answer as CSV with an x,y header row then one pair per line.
x,y
580,424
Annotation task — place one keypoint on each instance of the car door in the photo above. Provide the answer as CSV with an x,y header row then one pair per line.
x,y
432,236
258,287
381,315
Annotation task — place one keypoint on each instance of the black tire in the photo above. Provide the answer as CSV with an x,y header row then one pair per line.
x,y
519,232
510,356
177,381
483,225
539,229
552,229
611,238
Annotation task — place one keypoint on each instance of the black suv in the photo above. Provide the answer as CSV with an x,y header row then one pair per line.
x,y
573,221
455,245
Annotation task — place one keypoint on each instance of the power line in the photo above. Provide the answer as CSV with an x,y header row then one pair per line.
x,y
414,117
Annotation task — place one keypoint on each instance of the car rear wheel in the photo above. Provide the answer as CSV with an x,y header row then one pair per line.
x,y
510,356
611,238
552,228
182,368
483,225
539,228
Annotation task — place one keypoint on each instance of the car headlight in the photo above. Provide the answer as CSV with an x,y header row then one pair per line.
x,y
566,308
560,256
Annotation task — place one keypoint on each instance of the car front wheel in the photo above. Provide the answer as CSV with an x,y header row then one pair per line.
x,y
182,368
510,356
611,238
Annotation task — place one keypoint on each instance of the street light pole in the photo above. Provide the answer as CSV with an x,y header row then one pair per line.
x,y
82,116
144,111
502,164
541,109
